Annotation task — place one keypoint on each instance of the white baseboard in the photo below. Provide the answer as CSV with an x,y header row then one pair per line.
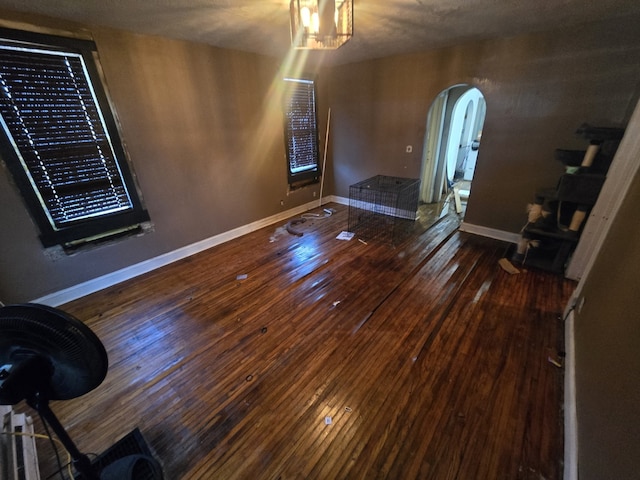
x,y
570,414
340,200
91,286
490,232
94,285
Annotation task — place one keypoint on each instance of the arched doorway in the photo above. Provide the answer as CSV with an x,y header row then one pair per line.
x,y
452,141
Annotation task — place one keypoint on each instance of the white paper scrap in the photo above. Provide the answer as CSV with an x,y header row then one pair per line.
x,y
345,235
328,420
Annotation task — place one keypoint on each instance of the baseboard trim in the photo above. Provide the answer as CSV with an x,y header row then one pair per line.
x,y
489,232
100,283
570,413
340,200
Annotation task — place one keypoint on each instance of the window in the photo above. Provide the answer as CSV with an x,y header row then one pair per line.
x,y
60,141
301,131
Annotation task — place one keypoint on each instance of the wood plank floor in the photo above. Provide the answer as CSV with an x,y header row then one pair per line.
x,y
429,360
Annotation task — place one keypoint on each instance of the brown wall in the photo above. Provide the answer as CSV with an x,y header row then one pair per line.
x,y
204,130
538,88
205,138
607,346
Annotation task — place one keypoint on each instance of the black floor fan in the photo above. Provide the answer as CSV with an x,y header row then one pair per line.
x,y
47,354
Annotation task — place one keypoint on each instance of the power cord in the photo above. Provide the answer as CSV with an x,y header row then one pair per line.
x,y
55,449
327,213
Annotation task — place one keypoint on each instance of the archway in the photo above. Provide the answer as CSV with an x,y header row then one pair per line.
x,y
452,141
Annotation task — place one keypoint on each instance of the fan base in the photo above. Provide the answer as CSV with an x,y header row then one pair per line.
x,y
132,444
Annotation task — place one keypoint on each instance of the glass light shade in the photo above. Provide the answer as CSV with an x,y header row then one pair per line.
x,y
321,24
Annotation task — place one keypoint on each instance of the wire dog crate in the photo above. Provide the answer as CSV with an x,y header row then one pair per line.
x,y
383,208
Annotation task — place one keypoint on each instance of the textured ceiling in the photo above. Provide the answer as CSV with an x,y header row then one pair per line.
x,y
382,27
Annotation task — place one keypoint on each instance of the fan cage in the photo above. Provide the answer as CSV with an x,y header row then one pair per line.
x,y
79,358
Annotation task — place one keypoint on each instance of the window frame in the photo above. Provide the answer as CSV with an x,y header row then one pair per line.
x,y
95,227
303,86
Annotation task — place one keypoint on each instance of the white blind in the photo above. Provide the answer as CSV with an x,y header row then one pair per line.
x,y
50,113
301,128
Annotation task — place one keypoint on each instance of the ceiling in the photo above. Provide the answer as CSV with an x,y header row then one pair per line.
x,y
381,27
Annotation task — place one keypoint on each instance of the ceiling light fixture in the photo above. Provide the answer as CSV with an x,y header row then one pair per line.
x,y
321,24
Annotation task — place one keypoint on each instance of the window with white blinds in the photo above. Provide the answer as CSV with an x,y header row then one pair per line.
x,y
61,142
301,130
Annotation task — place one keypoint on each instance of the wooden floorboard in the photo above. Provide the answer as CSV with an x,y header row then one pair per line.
x,y
430,361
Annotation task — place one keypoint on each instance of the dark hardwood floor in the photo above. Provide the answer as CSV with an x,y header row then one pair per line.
x,y
332,360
